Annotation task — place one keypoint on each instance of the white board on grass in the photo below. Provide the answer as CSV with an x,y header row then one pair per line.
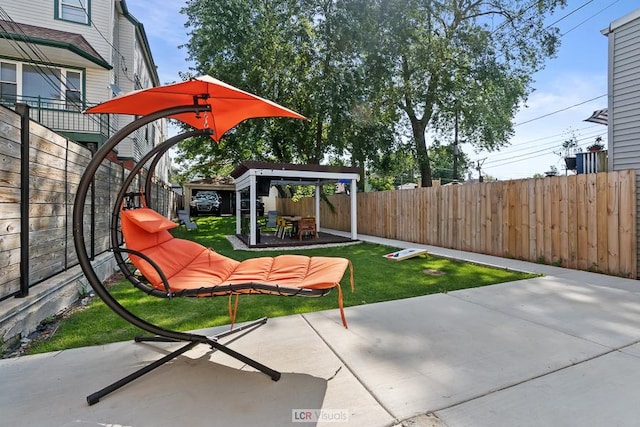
x,y
404,254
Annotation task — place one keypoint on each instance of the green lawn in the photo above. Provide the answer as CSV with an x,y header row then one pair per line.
x,y
376,278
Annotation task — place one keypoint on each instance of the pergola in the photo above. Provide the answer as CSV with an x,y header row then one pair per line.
x,y
262,175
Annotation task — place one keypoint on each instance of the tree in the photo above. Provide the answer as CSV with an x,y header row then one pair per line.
x,y
366,72
435,60
441,158
384,183
399,167
245,44
299,54
392,168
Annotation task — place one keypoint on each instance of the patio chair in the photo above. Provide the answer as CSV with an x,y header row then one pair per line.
x,y
272,219
285,227
185,219
307,227
176,267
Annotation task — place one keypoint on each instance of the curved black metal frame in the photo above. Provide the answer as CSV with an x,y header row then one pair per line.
x,y
85,263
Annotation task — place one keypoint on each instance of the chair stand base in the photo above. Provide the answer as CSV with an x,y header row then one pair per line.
x,y
212,341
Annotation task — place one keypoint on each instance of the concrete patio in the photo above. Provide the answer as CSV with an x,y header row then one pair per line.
x,y
558,350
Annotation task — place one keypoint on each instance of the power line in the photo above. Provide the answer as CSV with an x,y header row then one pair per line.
x,y
535,143
560,110
568,14
532,5
41,60
123,65
546,148
584,21
530,152
529,156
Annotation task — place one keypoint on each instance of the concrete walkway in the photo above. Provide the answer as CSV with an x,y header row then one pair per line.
x,y
559,350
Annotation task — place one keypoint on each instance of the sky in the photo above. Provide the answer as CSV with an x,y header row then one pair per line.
x,y
568,90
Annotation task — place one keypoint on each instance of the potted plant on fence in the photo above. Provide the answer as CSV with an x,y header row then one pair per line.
x,y
569,149
596,146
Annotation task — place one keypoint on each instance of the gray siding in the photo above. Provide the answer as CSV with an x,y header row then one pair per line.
x,y
624,99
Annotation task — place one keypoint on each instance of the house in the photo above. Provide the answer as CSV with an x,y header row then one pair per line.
x,y
62,56
624,96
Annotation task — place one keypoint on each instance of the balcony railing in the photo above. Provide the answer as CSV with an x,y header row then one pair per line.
x,y
591,162
62,115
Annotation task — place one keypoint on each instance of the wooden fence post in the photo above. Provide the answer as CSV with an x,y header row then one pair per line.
x,y
23,111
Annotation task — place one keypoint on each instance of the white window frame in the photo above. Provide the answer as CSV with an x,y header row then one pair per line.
x,y
75,104
63,86
84,10
16,82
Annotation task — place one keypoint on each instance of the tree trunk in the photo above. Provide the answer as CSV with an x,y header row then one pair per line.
x,y
316,152
421,149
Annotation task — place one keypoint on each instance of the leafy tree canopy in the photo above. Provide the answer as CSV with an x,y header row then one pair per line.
x,y
365,72
433,60
299,54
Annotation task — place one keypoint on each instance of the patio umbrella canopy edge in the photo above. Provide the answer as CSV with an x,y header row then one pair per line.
x,y
229,105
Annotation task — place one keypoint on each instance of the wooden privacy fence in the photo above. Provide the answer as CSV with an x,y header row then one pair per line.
x,y
585,222
56,165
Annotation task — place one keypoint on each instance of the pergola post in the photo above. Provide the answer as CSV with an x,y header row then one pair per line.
x,y
238,212
253,220
317,208
354,210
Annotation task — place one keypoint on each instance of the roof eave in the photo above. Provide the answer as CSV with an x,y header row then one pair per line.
x,y
145,42
632,16
60,45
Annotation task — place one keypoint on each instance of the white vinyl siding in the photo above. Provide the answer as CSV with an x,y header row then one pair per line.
x,y
43,16
125,47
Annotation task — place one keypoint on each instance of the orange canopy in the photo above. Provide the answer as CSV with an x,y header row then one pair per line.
x,y
229,105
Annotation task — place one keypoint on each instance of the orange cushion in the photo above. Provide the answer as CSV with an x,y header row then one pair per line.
x,y
206,270
149,220
172,256
189,265
136,237
289,270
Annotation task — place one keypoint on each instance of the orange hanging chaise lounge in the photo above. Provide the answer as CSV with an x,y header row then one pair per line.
x,y
175,267
178,267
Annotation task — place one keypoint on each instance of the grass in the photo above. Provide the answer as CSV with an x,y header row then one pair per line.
x,y
377,279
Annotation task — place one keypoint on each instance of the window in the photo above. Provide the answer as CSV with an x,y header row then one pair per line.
x,y
41,85
8,83
72,92
73,10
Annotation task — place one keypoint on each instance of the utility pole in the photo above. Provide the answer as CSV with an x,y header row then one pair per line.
x,y
479,169
455,149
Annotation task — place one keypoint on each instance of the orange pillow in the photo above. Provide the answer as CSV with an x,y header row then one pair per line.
x,y
149,220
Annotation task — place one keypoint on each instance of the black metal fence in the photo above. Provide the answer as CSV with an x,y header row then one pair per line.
x,y
39,174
